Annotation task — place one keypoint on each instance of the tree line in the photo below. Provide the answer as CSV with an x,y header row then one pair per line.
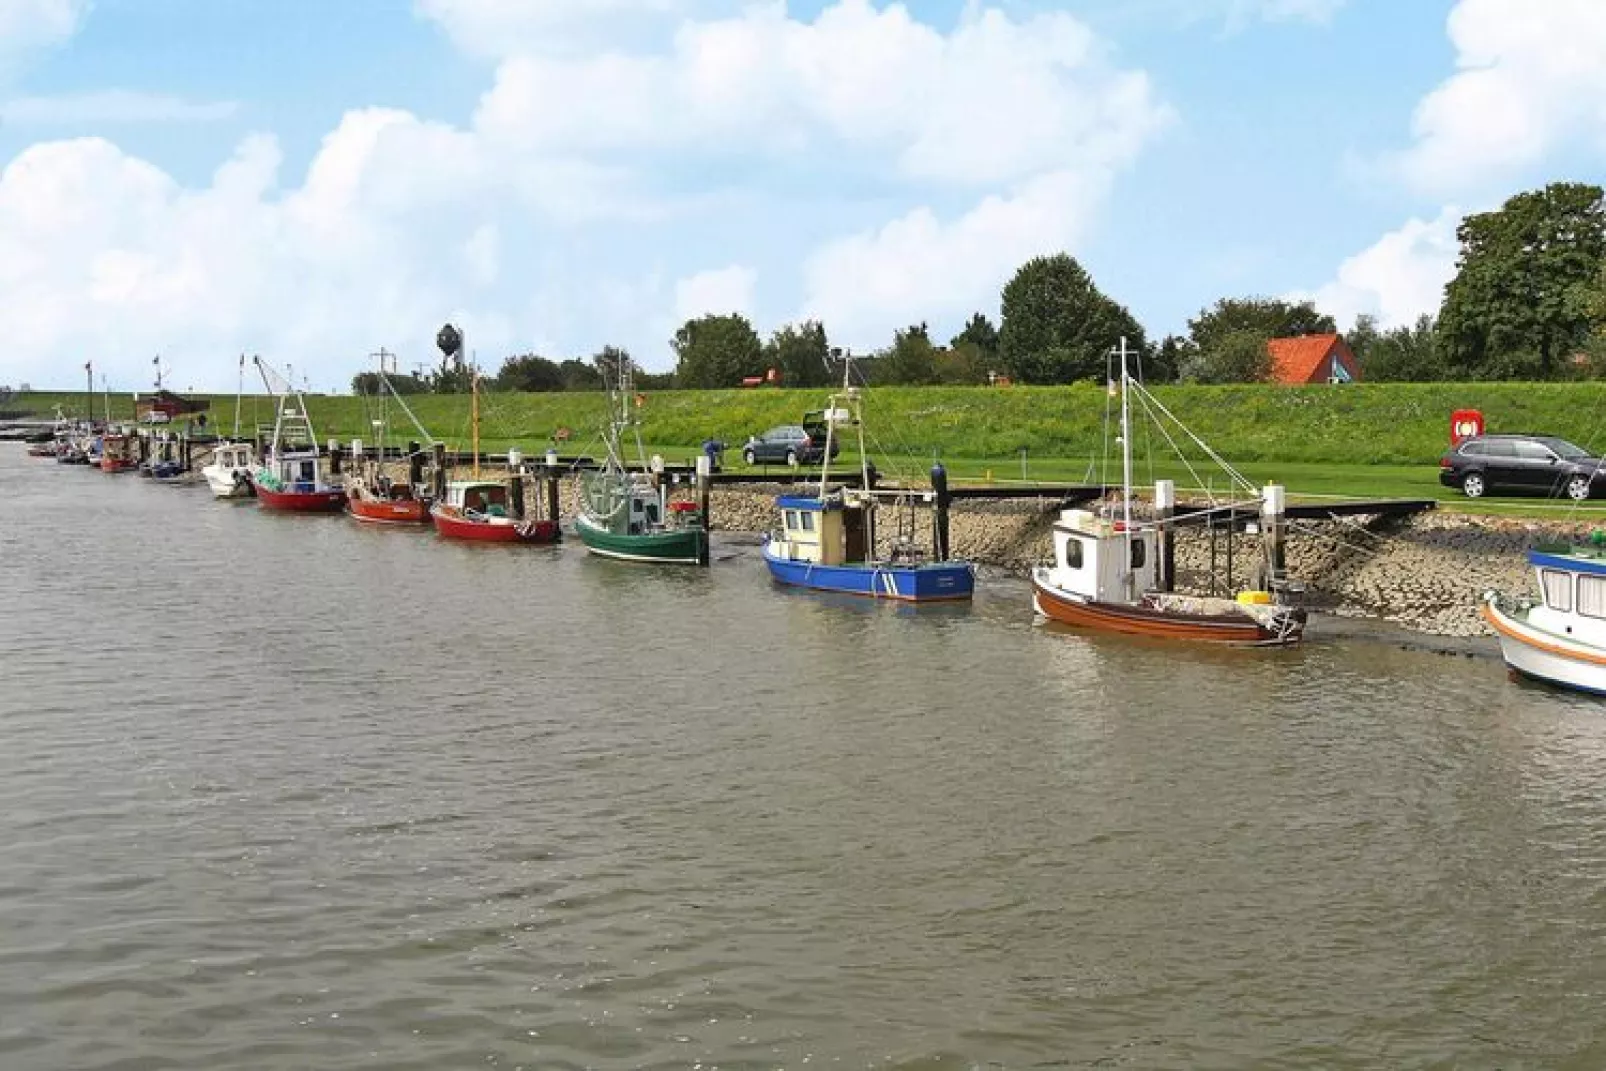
x,y
1528,302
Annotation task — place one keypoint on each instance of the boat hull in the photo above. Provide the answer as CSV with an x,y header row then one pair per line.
x,y
1162,624
404,511
677,546
1545,656
324,501
115,464
934,582
228,483
451,524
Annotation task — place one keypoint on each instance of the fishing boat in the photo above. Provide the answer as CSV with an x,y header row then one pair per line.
x,y
1560,637
1109,572
291,476
629,515
828,541
480,511
119,452
228,473
373,496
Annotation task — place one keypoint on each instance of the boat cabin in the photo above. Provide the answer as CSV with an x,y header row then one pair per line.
x,y
232,456
1092,556
480,496
824,531
645,512
297,471
1572,588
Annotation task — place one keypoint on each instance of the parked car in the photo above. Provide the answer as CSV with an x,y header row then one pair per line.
x,y
1539,464
156,416
794,444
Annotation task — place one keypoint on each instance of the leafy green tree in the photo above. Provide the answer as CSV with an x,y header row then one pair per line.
x,y
1058,327
608,362
580,375
529,372
1171,356
980,333
1404,355
802,353
1519,303
368,383
1362,337
1240,357
964,364
912,359
717,351
1267,317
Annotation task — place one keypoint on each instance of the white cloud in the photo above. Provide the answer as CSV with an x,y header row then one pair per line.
x,y
722,291
1531,79
110,108
29,25
1398,278
500,28
1013,129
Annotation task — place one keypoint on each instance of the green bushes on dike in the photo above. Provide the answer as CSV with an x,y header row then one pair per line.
x,y
1352,424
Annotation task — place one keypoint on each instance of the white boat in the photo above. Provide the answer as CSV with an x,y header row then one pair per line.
x,y
228,474
1561,637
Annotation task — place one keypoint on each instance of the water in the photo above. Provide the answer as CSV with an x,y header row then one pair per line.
x,y
283,792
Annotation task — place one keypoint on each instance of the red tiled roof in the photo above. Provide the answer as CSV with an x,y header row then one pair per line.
x,y
1299,360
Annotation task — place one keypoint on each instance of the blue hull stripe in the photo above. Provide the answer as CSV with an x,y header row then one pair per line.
x,y
918,583
1567,563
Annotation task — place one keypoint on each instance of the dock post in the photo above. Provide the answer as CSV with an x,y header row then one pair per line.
x,y
188,446
705,473
515,484
1165,508
144,448
939,516
440,472
1273,506
334,457
415,464
1232,537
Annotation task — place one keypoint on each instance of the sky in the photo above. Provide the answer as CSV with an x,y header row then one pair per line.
x,y
312,180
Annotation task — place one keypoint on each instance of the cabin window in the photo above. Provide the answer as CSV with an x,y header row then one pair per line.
x,y
1073,553
1592,596
789,519
1139,553
1558,589
808,520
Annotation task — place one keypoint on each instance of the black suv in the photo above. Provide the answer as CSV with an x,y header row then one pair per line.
x,y
1540,464
795,444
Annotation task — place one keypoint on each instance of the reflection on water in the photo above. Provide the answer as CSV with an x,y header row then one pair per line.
x,y
285,792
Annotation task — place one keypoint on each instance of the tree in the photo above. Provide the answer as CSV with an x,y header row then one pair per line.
x,y
1519,303
579,375
1170,358
368,383
1058,327
912,359
608,362
964,364
802,354
1240,357
1404,355
1267,317
717,351
529,373
1362,337
980,333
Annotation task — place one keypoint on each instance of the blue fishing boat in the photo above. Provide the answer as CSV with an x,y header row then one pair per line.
x,y
828,541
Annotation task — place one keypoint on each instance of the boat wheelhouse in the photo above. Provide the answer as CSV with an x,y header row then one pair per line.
x,y
1560,637
824,543
478,511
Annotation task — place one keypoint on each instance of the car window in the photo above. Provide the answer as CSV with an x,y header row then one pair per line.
x,y
1532,451
1472,449
1566,449
1498,448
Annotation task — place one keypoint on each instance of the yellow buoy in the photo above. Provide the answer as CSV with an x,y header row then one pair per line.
x,y
1254,598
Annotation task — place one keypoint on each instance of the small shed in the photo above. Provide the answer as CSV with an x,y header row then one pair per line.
x,y
174,405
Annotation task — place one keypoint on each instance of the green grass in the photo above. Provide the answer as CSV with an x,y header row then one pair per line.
x,y
1361,440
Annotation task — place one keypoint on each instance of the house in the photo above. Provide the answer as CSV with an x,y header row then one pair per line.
x,y
1312,359
173,405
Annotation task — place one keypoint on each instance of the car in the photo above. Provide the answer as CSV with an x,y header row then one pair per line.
x,y
794,444
1538,464
156,416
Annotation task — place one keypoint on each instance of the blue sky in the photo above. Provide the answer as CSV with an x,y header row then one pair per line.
x,y
311,180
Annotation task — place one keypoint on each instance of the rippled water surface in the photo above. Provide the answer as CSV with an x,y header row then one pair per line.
x,y
284,792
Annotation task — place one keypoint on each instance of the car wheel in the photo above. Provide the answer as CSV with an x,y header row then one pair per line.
x,y
749,457
1472,485
1578,488
791,458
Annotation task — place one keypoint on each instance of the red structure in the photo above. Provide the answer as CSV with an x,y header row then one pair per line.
x,y
772,378
1465,424
1312,359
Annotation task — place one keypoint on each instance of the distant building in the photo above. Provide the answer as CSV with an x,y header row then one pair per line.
x,y
1312,359
174,405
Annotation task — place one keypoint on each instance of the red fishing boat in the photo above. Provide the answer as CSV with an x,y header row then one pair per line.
x,y
291,479
118,453
477,511
386,503
374,496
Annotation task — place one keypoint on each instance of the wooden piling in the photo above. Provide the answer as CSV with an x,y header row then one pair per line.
x,y
1165,508
553,506
440,472
515,495
939,519
334,458
415,464
1273,505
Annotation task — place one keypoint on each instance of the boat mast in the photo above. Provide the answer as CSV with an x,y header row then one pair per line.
x,y
830,424
239,394
474,402
1126,446
89,394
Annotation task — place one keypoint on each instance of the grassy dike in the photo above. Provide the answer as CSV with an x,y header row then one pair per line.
x,y
1362,439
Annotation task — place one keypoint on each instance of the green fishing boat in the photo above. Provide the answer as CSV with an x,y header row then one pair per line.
x,y
629,514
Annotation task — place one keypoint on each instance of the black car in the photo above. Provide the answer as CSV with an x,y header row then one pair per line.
x,y
1538,464
794,444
